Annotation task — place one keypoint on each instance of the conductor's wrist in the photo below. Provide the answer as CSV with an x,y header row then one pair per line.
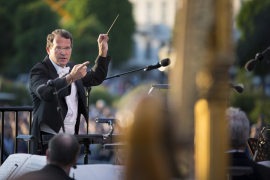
x,y
69,79
103,54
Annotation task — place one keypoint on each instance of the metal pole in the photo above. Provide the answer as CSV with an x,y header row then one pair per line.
x,y
228,97
16,132
88,89
30,124
16,109
2,137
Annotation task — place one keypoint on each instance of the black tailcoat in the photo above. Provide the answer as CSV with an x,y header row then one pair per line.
x,y
45,106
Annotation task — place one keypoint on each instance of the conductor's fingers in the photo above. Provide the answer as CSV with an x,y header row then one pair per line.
x,y
84,68
101,38
106,38
83,64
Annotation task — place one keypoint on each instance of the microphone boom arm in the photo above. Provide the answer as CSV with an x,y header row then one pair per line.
x,y
162,63
118,75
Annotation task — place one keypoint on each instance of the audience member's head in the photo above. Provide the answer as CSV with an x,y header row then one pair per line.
x,y
238,127
63,150
100,104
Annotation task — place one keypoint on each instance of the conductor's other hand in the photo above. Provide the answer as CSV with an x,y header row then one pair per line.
x,y
103,45
79,71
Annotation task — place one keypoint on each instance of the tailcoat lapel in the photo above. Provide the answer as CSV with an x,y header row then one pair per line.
x,y
51,68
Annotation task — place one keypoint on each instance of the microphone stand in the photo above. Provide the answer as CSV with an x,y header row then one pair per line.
x,y
228,95
88,89
118,75
238,89
59,108
87,145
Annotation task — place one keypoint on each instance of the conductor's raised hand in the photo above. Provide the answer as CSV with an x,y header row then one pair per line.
x,y
103,44
79,71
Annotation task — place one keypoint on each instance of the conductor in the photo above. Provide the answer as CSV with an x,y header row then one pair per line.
x,y
46,119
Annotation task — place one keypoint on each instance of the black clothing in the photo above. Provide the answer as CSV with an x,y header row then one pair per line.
x,y
49,172
259,171
45,106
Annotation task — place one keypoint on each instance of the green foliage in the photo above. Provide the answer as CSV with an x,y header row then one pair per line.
x,y
100,92
253,104
261,107
252,100
85,34
130,98
34,21
21,92
253,21
95,17
245,101
24,41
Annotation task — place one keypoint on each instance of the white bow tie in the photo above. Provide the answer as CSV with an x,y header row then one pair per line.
x,y
62,71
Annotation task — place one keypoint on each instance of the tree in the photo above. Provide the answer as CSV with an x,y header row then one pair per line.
x,y
85,34
253,21
90,18
28,23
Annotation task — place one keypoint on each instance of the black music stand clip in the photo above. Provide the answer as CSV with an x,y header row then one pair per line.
x,y
31,138
110,122
260,148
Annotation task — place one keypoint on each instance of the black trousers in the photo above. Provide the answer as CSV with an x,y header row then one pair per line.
x,y
44,146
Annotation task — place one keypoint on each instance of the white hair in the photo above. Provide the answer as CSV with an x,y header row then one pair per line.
x,y
238,127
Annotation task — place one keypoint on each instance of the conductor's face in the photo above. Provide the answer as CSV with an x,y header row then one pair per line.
x,y
60,52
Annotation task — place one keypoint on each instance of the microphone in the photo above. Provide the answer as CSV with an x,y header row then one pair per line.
x,y
250,65
163,63
43,88
238,89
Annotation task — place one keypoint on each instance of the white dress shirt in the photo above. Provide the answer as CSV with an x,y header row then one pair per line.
x,y
72,104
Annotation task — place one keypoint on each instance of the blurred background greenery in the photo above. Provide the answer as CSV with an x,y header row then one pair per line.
x,y
252,24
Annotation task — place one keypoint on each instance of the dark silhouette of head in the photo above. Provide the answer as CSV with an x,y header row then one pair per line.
x,y
63,150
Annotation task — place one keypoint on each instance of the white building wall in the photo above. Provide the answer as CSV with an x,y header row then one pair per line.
x,y
154,23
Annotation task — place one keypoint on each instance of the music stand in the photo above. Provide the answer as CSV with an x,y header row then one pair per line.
x,y
159,86
115,146
263,149
31,138
86,140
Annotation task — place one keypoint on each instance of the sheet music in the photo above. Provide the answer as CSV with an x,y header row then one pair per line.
x,y
265,163
8,166
98,172
12,170
33,163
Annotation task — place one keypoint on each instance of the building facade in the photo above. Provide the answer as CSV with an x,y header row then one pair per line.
x,y
154,24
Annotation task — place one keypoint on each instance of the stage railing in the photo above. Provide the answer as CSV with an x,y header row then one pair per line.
x,y
16,110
